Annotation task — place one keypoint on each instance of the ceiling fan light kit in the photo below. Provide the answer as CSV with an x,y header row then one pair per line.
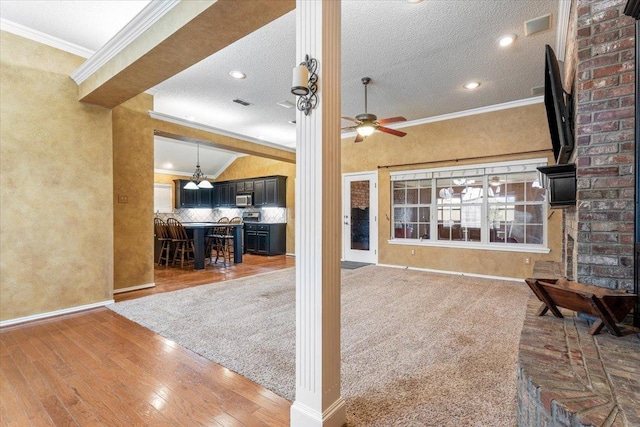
x,y
305,85
367,123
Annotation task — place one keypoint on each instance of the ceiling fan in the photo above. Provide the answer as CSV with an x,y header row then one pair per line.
x,y
366,124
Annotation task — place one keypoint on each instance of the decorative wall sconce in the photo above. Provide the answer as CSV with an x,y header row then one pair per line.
x,y
305,85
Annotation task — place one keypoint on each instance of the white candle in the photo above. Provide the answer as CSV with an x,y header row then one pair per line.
x,y
300,85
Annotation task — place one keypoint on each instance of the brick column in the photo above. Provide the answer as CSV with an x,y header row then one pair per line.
x,y
602,223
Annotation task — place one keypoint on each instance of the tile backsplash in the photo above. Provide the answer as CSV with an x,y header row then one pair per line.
x,y
271,215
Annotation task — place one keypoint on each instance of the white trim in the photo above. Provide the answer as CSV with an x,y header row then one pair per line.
x,y
40,37
562,27
504,247
54,313
193,125
523,162
134,288
333,416
289,254
455,273
172,172
481,110
139,24
225,166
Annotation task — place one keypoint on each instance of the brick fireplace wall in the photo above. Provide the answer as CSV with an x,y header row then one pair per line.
x,y
599,230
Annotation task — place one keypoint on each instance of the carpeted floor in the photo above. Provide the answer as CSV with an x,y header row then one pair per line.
x,y
418,348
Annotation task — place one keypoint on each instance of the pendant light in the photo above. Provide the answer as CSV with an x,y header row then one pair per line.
x,y
198,180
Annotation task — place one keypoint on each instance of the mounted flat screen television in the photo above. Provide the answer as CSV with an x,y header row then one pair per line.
x,y
559,106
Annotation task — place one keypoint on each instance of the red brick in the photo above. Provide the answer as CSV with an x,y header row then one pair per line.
x,y
600,83
612,69
622,113
625,43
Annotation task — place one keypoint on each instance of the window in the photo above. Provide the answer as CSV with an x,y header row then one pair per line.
x,y
501,206
162,202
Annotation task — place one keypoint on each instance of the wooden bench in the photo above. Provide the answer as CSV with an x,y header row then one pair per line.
x,y
608,305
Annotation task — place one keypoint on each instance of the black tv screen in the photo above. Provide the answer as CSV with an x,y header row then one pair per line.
x,y
558,109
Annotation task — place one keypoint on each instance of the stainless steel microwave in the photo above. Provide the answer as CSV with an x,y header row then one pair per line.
x,y
243,200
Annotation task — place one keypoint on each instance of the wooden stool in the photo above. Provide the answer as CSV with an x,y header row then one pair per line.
x,y
608,305
163,236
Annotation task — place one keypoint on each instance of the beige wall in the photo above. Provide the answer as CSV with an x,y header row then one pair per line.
x,y
512,134
253,167
133,179
56,221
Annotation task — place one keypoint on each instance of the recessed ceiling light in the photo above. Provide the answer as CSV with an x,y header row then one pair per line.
x,y
414,1
237,74
168,165
293,122
507,40
472,85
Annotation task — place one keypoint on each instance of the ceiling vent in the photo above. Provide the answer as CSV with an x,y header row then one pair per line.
x,y
241,102
537,25
286,104
538,90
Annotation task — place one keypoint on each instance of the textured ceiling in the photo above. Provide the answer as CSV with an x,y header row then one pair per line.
x,y
418,56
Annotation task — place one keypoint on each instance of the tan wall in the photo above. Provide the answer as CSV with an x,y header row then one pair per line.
x,y
133,178
252,167
496,136
56,221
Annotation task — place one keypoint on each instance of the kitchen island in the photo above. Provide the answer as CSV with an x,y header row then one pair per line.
x,y
199,241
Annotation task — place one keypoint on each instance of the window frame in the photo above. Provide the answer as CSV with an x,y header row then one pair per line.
x,y
482,172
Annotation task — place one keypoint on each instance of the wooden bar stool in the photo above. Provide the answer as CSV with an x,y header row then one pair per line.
x,y
163,236
218,242
184,245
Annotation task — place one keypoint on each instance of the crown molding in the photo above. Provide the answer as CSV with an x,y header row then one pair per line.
x,y
564,14
459,114
172,172
183,122
138,25
40,37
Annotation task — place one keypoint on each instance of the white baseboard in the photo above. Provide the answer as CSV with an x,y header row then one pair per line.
x,y
304,416
288,254
134,288
54,313
455,273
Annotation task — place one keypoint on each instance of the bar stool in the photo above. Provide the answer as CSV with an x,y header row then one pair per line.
x,y
184,245
230,237
163,236
218,242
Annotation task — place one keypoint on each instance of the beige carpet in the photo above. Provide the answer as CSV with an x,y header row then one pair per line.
x,y
418,349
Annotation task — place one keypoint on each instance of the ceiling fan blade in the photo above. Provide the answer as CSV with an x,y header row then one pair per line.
x,y
359,138
351,119
392,120
391,131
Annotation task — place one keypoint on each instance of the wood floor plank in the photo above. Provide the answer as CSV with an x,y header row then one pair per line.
x,y
97,368
28,401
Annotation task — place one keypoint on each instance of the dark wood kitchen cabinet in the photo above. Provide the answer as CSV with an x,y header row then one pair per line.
x,y
265,239
270,192
185,199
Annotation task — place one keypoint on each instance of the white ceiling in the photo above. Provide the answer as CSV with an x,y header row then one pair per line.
x,y
418,56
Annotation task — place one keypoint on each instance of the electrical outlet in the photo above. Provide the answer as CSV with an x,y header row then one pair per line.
x,y
527,260
123,199
413,251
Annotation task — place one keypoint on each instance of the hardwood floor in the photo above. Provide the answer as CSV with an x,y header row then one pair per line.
x,y
99,368
169,279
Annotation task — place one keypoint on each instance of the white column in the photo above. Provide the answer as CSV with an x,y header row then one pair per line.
x,y
318,227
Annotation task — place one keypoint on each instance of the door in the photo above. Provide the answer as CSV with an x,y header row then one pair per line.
x,y
360,217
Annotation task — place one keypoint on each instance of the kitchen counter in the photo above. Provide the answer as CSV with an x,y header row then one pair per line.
x,y
200,243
